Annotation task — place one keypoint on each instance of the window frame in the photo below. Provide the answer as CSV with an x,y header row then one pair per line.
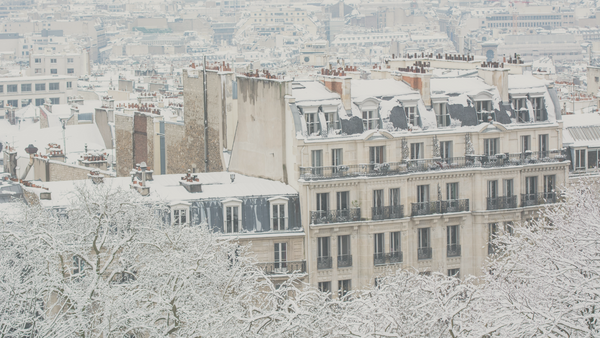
x,y
176,217
232,203
279,202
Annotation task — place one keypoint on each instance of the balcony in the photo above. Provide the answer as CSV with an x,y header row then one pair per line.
x,y
324,263
528,200
439,207
389,212
335,216
424,253
344,261
502,202
283,268
387,258
453,250
425,165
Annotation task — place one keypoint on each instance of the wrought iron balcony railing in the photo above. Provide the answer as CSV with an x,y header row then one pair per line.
x,y
324,263
538,199
424,253
279,268
387,258
431,164
453,250
388,212
439,207
344,261
335,216
502,202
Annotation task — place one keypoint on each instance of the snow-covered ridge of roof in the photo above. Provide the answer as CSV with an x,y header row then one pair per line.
x,y
364,89
313,92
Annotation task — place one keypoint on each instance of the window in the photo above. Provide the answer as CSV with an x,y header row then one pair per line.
x,y
376,154
70,71
12,103
323,253
579,159
179,216
531,185
69,60
525,143
336,157
11,88
54,100
370,120
446,149
278,213
344,287
411,115
39,102
378,199
543,145
40,86
492,233
1,103
454,273
69,85
508,187
592,159
343,200
509,227
54,86
25,102
37,60
520,107
538,112
492,189
395,242
549,186
1,88
484,111
38,71
424,243
490,146
379,239
25,87
53,71
416,151
330,121
323,202
317,162
441,114
325,287
395,197
52,60
453,241
280,250
344,251
452,191
232,215
423,193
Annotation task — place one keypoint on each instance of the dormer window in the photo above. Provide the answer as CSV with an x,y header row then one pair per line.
x,y
441,114
311,123
279,213
411,115
520,107
180,213
484,110
232,215
370,119
538,103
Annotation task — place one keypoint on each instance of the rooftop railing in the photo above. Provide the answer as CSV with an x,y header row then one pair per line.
x,y
540,198
435,164
283,267
335,216
387,212
502,202
439,207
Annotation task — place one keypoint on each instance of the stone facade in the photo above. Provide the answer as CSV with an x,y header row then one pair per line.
x,y
50,171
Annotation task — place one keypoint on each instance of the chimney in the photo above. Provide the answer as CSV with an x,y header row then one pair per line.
x,y
420,82
498,77
96,177
339,84
191,183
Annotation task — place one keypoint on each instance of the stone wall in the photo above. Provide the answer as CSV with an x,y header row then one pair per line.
x,y
50,171
140,138
101,118
176,148
124,143
259,148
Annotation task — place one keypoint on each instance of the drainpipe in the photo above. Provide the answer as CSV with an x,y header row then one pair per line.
x,y
205,117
